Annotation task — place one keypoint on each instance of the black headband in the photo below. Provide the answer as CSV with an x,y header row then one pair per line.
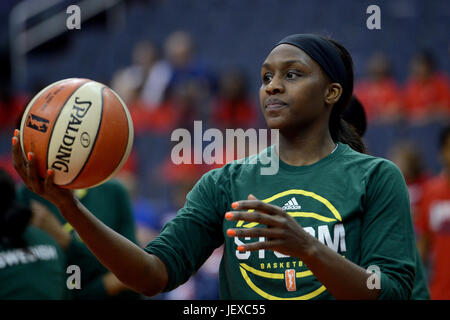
x,y
324,53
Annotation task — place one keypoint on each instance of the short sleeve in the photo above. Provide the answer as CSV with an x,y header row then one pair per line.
x,y
188,240
387,237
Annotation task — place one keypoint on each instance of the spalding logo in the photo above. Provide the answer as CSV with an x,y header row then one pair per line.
x,y
79,110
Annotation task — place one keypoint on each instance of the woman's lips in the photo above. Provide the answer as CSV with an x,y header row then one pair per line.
x,y
275,105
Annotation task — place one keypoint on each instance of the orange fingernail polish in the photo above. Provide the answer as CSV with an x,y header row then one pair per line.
x,y
228,215
240,248
30,156
50,172
14,141
231,232
235,205
16,133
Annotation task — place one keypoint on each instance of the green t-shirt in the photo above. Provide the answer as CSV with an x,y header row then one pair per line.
x,y
36,272
111,204
356,204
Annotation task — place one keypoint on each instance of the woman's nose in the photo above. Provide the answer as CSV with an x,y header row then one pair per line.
x,y
275,86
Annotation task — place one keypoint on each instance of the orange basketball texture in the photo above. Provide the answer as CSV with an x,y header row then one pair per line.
x,y
80,129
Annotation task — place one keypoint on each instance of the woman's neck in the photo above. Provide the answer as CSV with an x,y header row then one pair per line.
x,y
305,149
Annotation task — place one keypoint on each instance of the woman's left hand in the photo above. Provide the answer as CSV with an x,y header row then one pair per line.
x,y
283,234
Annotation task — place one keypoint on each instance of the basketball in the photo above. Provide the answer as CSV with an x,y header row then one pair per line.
x,y
79,128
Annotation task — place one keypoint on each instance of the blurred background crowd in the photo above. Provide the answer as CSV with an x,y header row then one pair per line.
x,y
175,61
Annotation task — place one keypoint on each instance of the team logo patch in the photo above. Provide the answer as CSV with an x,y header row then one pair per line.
x,y
289,277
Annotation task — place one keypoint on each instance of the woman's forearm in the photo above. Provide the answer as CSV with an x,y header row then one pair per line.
x,y
139,270
342,278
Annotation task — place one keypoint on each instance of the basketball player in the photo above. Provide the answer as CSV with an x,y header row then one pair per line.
x,y
32,265
110,203
332,218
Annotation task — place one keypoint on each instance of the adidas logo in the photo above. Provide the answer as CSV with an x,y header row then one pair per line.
x,y
291,205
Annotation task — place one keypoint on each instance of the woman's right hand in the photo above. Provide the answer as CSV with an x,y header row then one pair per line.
x,y
44,187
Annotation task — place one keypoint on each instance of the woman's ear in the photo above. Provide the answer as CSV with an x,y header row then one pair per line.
x,y
333,93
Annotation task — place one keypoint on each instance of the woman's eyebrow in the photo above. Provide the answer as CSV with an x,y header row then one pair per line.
x,y
285,63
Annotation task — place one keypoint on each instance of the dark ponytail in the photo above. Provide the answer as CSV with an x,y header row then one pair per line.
x,y
13,218
340,130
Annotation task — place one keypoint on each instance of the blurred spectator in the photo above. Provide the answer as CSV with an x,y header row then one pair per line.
x,y
110,203
185,105
426,95
146,80
142,86
11,106
433,223
205,283
32,265
175,91
233,107
155,85
191,82
408,158
128,82
163,119
379,92
179,51
146,217
181,179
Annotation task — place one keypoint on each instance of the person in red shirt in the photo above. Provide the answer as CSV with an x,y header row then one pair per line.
x,y
426,93
379,93
11,106
433,225
233,108
407,156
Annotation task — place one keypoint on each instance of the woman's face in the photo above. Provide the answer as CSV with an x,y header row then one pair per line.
x,y
293,89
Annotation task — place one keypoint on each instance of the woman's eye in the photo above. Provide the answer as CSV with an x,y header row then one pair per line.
x,y
267,78
292,75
